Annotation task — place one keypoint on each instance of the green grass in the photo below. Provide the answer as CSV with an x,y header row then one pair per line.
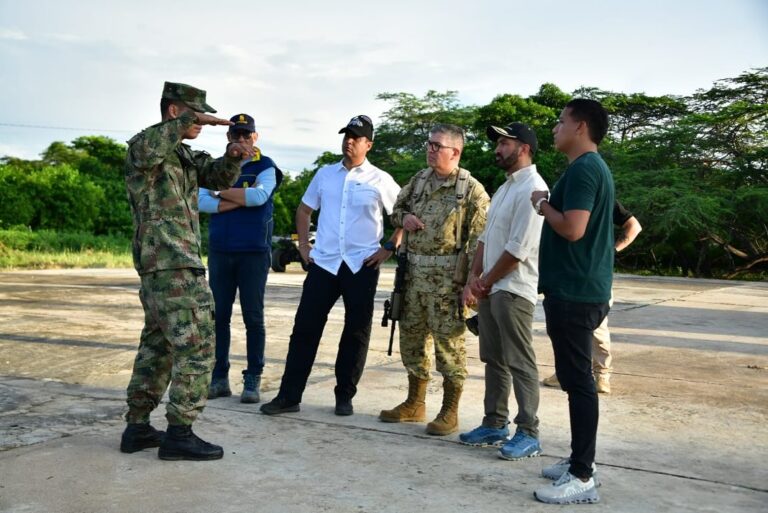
x,y
21,248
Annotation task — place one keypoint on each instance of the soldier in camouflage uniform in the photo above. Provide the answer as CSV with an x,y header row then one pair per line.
x,y
162,176
443,210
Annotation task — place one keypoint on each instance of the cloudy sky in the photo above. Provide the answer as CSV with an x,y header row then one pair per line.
x,y
303,68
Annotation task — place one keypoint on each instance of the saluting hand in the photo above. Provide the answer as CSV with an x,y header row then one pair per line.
x,y
207,119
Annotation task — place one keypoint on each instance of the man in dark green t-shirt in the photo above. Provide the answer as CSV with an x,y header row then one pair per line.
x,y
575,276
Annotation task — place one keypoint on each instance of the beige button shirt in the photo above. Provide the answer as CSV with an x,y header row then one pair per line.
x,y
513,226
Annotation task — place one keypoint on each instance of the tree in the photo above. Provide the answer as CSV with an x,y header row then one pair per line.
x,y
508,108
51,197
289,194
103,161
715,151
730,121
692,169
400,137
635,114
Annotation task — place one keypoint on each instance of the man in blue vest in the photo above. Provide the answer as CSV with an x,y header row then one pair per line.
x,y
239,249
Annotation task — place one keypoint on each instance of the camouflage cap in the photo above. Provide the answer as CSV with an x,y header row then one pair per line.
x,y
193,97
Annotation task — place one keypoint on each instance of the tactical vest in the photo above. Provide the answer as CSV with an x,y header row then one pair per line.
x,y
462,184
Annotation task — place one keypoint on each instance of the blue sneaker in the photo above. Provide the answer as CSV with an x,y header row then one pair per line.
x,y
484,436
519,447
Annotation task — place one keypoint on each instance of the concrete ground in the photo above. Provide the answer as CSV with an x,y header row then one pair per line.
x,y
684,429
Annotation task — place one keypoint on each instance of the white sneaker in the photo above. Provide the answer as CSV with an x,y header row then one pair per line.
x,y
556,470
569,489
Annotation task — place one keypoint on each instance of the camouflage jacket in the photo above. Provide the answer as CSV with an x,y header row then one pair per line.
x,y
162,176
438,210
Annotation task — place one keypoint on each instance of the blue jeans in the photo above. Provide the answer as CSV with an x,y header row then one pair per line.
x,y
570,326
246,272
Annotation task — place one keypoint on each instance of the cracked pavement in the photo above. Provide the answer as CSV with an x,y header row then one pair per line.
x,y
683,430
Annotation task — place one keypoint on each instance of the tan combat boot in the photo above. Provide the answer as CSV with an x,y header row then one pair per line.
x,y
447,421
603,384
412,409
551,381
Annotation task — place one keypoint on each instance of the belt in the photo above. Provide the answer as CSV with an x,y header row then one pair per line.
x,y
432,260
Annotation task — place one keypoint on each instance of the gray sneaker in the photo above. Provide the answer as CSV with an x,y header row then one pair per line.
x,y
569,489
556,470
219,388
251,384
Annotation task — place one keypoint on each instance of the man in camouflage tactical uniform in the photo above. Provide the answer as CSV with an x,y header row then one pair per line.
x,y
443,210
162,176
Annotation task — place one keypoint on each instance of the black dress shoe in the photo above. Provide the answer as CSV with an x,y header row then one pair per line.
x,y
278,405
344,407
140,436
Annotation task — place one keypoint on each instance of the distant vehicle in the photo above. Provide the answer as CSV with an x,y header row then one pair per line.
x,y
286,250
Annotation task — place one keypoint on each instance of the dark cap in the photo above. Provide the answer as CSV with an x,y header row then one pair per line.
x,y
193,97
359,126
519,131
242,123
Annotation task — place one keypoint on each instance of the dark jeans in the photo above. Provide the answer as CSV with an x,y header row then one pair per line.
x,y
246,272
570,326
320,292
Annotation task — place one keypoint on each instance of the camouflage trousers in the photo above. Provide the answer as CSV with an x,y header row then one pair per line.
x,y
177,346
430,317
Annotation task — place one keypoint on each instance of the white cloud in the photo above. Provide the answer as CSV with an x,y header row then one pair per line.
x,y
12,34
310,66
66,38
18,151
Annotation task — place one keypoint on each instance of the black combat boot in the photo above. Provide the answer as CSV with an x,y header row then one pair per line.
x,y
140,436
182,444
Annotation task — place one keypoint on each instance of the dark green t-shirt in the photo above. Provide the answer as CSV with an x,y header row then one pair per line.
x,y
580,271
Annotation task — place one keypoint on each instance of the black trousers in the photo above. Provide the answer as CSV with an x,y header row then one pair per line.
x,y
570,326
321,291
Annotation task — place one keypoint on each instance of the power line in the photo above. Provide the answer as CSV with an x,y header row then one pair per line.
x,y
71,128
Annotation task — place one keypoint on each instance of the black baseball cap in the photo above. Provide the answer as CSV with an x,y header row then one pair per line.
x,y
519,131
242,123
359,126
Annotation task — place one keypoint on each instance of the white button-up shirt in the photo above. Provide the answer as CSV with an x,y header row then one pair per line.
x,y
350,223
514,226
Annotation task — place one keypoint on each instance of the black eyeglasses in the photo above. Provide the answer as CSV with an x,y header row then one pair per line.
x,y
436,146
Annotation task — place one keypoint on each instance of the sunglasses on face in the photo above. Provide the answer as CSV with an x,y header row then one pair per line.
x,y
236,136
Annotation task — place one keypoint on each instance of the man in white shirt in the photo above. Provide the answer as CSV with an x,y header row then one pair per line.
x,y
504,278
352,196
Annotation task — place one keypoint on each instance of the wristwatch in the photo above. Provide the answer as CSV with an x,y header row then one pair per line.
x,y
389,246
538,204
